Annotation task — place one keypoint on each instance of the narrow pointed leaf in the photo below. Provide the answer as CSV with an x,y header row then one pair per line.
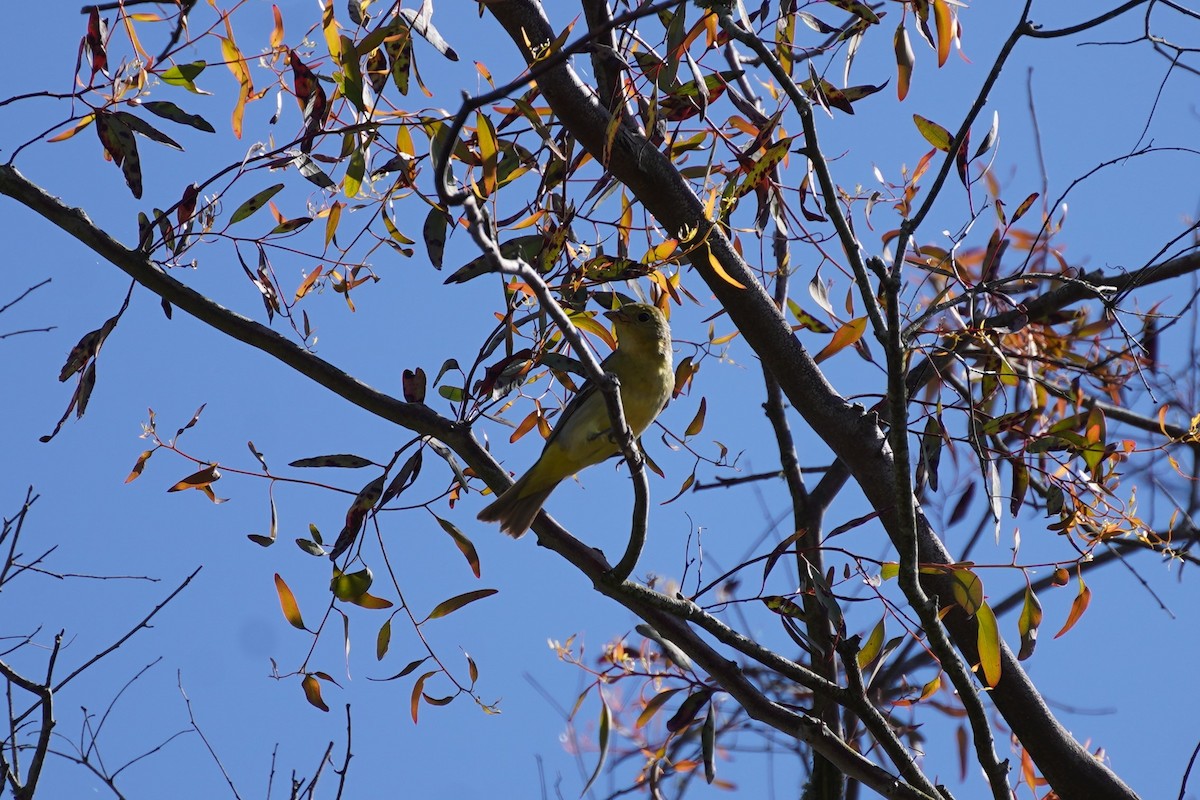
x,y
455,603
287,602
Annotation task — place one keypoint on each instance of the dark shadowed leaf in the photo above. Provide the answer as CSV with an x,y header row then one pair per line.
x,y
688,710
462,542
404,478
414,385
434,232
140,125
345,460
168,110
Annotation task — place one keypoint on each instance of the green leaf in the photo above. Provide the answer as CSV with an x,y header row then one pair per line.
x,y
454,394
255,203
383,640
350,586
602,741
355,170
455,603
184,75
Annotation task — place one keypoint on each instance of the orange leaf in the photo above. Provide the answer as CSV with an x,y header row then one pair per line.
x,y
308,282
198,480
83,123
139,466
277,31
1078,606
312,691
527,424
845,336
415,699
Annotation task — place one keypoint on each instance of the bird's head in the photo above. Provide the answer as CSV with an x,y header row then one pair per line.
x,y
641,326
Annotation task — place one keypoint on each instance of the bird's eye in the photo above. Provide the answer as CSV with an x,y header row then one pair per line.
x,y
644,316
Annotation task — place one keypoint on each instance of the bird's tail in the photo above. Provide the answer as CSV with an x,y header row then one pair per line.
x,y
516,509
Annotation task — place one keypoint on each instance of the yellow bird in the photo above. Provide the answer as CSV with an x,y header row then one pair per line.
x,y
583,435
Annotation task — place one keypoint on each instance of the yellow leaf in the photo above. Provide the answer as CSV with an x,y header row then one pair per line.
x,y
945,29
870,650
968,590
590,325
330,26
988,642
935,134
83,123
488,152
331,222
720,270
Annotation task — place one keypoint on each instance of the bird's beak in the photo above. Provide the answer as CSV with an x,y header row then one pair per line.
x,y
619,314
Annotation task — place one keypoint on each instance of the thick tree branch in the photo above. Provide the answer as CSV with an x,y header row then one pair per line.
x,y
853,435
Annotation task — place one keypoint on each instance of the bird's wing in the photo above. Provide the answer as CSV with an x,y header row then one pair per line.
x,y
589,389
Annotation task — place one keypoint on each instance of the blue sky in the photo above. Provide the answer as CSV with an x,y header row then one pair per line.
x,y
217,638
